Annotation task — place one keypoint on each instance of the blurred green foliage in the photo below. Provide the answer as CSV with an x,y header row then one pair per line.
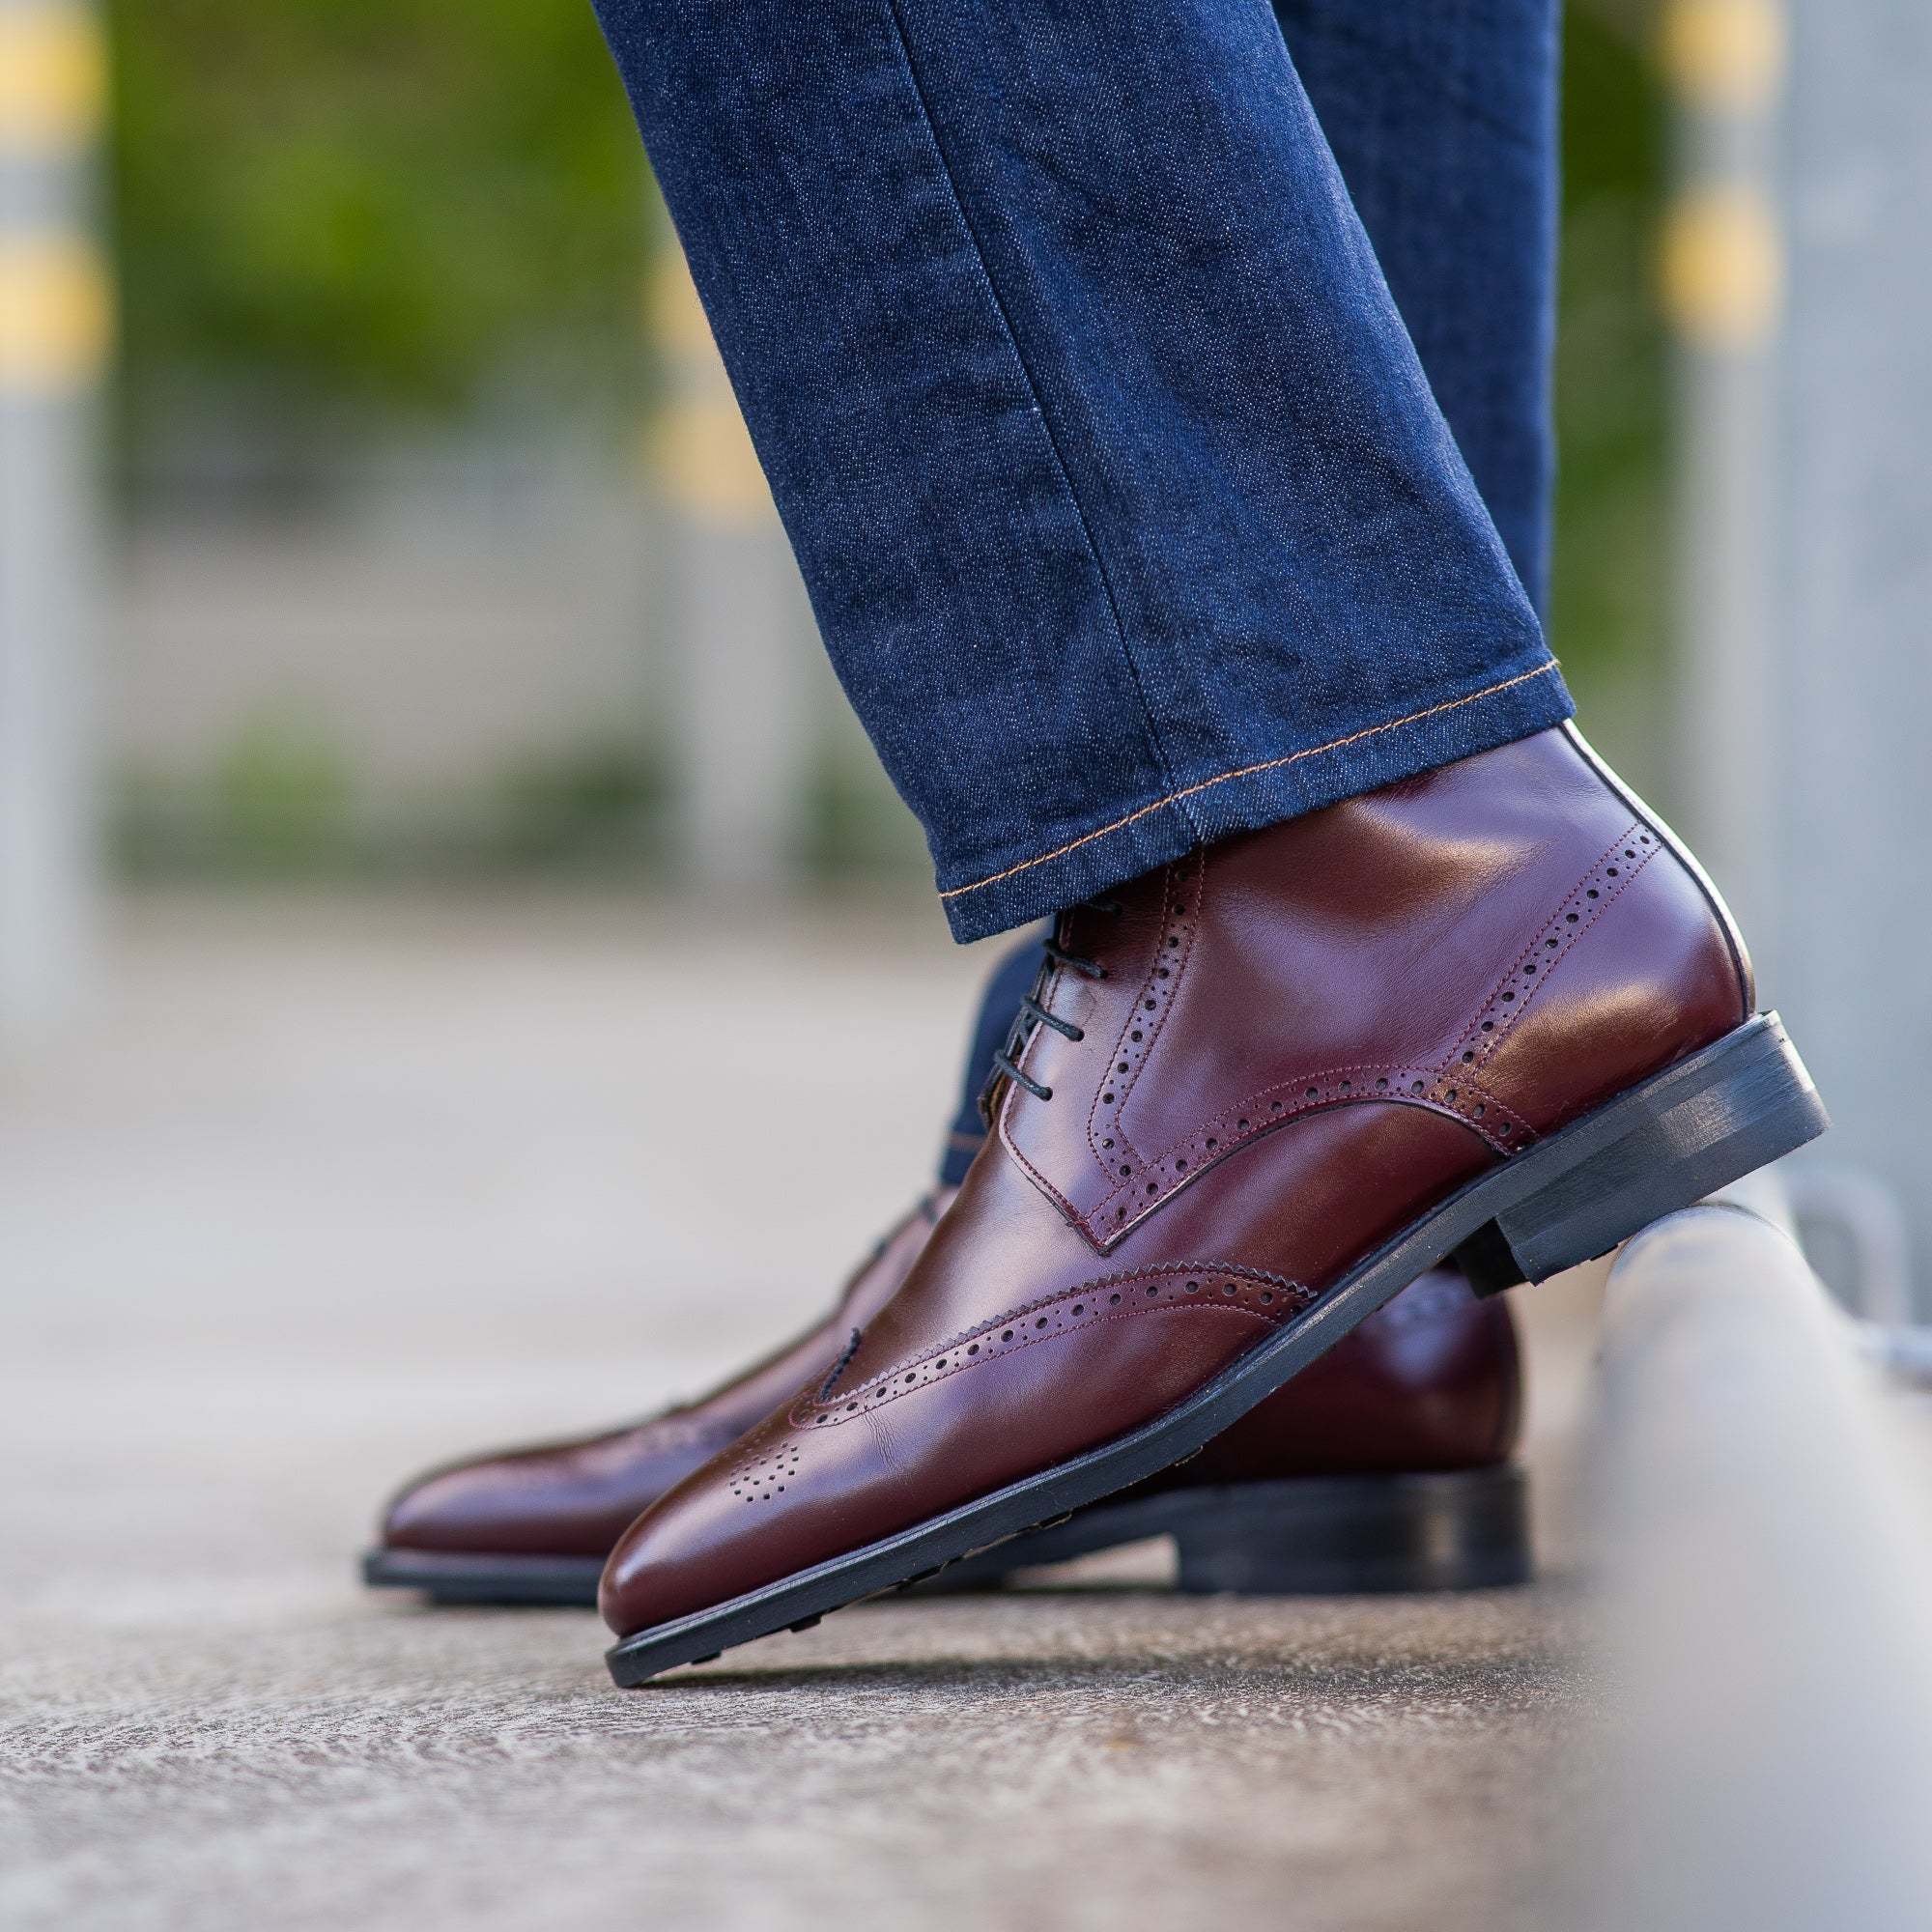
x,y
603,806
1609,589
345,220
283,802
281,794
339,216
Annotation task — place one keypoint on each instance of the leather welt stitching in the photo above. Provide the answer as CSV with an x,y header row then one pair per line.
x,y
1040,1180
1112,1298
1005,1128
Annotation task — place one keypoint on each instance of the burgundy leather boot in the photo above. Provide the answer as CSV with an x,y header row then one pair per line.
x,y
1385,1468
1490,1011
534,1525
1382,1465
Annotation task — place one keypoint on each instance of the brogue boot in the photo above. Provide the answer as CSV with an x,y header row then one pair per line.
x,y
1490,1011
534,1525
1385,1467
1382,1465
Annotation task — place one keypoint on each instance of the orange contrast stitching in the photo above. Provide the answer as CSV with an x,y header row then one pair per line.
x,y
1245,772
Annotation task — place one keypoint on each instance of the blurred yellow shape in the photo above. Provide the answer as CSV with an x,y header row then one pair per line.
x,y
673,312
1723,267
699,447
56,319
52,78
1724,56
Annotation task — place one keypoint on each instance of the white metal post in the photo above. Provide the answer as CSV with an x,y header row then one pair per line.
x,y
745,695
1765,1589
1845,958
1724,276
54,329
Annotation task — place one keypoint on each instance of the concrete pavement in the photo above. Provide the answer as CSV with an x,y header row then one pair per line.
x,y
321,1192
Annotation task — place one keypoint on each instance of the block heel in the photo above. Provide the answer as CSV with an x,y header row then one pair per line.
x,y
1740,1104
1302,1536
1462,1529
460,1578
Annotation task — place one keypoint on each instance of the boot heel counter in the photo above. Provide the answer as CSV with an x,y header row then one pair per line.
x,y
1722,917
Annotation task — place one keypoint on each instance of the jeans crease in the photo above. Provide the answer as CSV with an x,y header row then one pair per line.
x,y
1145,387
1039,395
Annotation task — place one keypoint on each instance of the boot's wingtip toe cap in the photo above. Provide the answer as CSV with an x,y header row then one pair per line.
x,y
403,1521
666,1567
622,1604
622,1590
448,1509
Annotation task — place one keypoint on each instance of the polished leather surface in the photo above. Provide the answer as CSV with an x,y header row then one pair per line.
x,y
1305,1039
1430,1383
576,1498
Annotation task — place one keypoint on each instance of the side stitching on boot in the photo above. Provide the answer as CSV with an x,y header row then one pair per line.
x,y
1226,1290
1180,906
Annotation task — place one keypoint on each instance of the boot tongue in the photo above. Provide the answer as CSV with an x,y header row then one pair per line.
x,y
850,1349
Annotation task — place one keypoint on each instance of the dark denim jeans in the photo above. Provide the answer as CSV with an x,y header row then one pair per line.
x,y
1442,119
1128,514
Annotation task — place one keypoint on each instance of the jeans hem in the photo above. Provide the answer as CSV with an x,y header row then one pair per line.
x,y
1140,837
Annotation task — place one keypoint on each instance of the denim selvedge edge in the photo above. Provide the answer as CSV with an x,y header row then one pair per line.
x,y
1127,514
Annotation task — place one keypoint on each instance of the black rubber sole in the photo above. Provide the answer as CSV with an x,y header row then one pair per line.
x,y
1742,1101
1309,1536
517,1582
1462,1529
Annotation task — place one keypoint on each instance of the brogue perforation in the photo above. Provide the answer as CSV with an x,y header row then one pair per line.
x,y
1217,1285
1174,946
1453,1086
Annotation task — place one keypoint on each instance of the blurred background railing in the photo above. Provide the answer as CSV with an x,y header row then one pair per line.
x,y
53,341
436,546
443,550
409,533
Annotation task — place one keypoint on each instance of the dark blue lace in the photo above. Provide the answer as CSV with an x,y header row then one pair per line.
x,y
1032,1014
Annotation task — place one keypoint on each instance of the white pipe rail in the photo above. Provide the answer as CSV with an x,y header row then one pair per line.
x,y
1767,1590
54,331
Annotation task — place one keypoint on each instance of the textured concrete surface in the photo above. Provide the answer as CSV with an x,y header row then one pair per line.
x,y
315,1195
1101,1761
